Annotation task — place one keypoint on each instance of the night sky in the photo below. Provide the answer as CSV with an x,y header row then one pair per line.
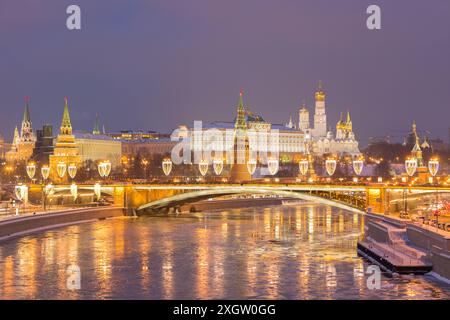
x,y
153,65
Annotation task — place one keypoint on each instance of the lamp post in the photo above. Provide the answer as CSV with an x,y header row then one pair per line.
x,y
61,168
167,166
433,168
303,167
218,166
31,170
330,166
251,166
45,172
358,165
273,165
203,166
72,170
410,167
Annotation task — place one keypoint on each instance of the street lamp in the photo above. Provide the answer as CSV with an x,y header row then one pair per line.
x,y
104,168
218,166
303,166
31,170
72,170
330,166
273,165
411,166
45,172
251,166
167,166
203,166
61,169
433,167
358,165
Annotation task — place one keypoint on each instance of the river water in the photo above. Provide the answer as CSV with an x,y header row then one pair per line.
x,y
282,252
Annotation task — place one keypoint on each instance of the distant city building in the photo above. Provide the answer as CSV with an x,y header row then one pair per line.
x,y
23,143
65,150
44,144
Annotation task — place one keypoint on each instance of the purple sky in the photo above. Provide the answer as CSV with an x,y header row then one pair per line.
x,y
157,64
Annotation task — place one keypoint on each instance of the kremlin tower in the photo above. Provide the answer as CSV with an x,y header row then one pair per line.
x,y
23,144
66,150
239,172
320,117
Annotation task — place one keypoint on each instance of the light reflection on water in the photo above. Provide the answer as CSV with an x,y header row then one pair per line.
x,y
291,252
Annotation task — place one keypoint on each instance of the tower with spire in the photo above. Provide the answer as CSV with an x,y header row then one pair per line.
x,y
320,117
239,172
23,142
66,150
303,123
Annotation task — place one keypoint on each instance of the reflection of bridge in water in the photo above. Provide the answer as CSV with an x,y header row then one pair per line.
x,y
377,198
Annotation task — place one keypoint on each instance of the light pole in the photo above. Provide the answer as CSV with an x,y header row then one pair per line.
x,y
167,166
31,170
273,165
410,167
433,168
45,172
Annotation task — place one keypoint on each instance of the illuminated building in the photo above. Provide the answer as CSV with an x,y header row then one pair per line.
x,y
98,147
65,149
23,144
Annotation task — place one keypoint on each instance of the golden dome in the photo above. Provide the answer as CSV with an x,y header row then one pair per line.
x,y
320,95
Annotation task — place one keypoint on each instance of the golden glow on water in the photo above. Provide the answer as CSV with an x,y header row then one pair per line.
x,y
292,252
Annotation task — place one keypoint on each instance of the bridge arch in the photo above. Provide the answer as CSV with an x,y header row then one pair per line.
x,y
194,196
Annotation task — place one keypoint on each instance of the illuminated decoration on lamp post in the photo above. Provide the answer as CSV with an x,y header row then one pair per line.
x,y
411,166
74,191
107,165
61,169
98,190
358,166
72,170
167,166
251,166
330,166
218,166
273,165
104,168
45,172
203,166
303,166
31,170
433,167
